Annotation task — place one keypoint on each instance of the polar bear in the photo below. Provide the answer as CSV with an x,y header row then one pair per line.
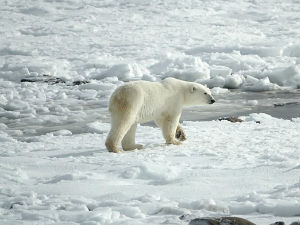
x,y
144,101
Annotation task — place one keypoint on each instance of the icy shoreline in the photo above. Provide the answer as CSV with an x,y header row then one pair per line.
x,y
279,104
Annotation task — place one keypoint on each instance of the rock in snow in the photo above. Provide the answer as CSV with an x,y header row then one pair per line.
x,y
220,221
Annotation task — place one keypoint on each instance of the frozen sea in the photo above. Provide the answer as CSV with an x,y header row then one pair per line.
x,y
54,168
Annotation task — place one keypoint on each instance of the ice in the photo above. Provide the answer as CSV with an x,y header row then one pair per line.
x,y
182,66
286,76
62,133
254,84
123,46
97,127
278,202
292,50
54,166
233,81
158,174
216,82
219,91
76,179
216,71
207,204
252,102
124,72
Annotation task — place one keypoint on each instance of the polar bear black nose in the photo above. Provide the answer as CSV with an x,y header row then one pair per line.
x,y
212,101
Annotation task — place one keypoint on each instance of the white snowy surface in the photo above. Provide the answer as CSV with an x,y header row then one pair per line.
x,y
246,169
205,41
54,166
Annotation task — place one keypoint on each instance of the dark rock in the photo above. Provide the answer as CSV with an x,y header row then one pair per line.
x,y
231,119
185,217
224,221
12,206
79,82
284,104
61,208
44,79
51,80
27,80
278,223
278,104
220,221
203,221
55,80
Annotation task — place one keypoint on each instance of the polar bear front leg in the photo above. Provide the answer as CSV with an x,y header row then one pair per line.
x,y
128,142
169,126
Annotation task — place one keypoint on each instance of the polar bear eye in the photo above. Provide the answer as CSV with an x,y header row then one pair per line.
x,y
205,93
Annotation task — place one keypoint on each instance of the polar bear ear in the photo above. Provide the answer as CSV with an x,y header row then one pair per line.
x,y
193,89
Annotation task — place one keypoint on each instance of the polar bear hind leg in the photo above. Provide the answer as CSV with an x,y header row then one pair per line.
x,y
128,142
119,128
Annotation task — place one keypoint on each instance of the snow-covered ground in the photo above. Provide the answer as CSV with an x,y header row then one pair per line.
x,y
53,163
247,169
193,40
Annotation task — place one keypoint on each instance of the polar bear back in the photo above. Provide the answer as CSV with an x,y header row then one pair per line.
x,y
147,99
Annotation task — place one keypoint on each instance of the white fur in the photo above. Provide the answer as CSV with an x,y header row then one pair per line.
x,y
143,101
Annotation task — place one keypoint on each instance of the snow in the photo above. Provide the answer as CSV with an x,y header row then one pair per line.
x,y
53,163
254,84
150,40
183,67
291,76
234,81
72,178
124,72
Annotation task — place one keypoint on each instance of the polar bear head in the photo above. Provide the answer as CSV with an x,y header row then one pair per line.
x,y
197,94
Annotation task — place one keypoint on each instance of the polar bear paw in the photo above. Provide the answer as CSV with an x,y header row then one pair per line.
x,y
111,147
180,135
115,150
174,142
130,148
